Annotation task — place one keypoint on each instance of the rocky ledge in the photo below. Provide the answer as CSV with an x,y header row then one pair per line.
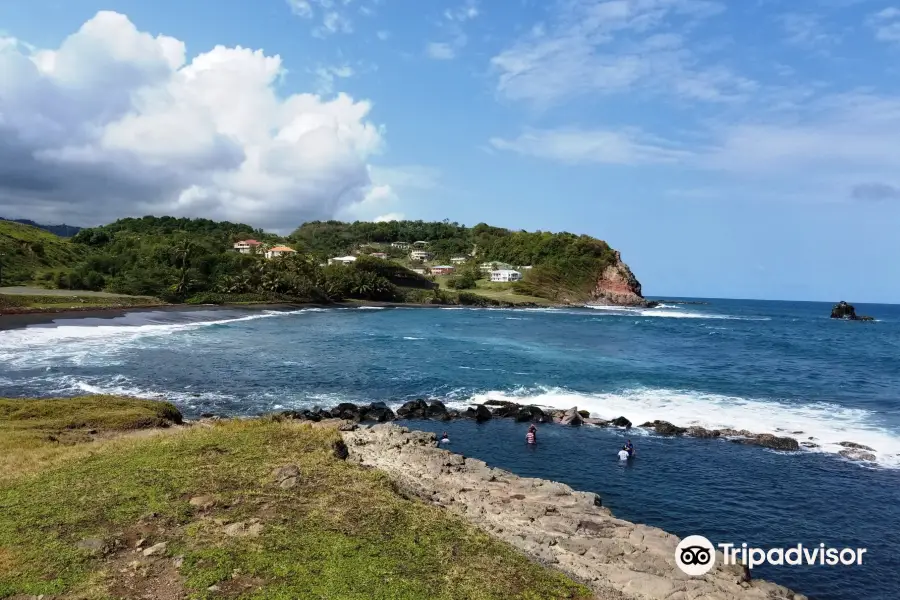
x,y
379,412
549,522
618,286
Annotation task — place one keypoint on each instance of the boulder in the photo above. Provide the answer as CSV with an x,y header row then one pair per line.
x,y
856,446
339,449
665,428
347,411
597,422
93,546
585,414
529,413
702,432
767,440
414,409
571,417
482,413
286,477
499,403
202,502
156,549
378,411
857,454
436,410
621,422
510,409
809,444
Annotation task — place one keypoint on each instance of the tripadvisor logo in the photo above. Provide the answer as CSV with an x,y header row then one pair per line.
x,y
695,555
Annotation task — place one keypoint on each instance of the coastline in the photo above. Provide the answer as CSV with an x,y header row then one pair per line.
x,y
548,521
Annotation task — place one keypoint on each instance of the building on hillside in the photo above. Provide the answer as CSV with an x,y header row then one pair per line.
x,y
342,260
505,275
420,255
525,268
442,270
458,260
247,246
400,245
277,251
420,244
494,266
420,271
380,255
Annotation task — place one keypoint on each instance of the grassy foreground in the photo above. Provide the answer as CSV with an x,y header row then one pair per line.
x,y
85,518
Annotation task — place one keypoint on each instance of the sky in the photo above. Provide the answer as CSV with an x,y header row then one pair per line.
x,y
728,149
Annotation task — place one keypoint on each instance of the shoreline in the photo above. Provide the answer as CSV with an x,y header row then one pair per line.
x,y
548,521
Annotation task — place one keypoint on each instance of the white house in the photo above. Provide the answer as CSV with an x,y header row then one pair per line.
x,y
420,255
420,271
400,245
279,251
458,260
442,270
342,260
420,244
505,275
246,246
489,267
380,255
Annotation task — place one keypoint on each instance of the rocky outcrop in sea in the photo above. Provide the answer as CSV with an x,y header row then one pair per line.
x,y
550,522
618,286
845,311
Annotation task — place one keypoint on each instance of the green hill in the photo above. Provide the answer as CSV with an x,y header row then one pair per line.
x,y
28,253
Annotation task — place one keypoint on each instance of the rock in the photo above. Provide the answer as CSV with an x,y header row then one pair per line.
x,y
414,409
845,311
621,422
585,414
856,446
596,422
665,428
93,546
809,444
482,413
436,410
202,502
509,409
287,476
767,440
379,412
156,549
207,415
617,285
529,413
347,426
702,432
857,454
339,449
347,411
499,403
250,528
571,418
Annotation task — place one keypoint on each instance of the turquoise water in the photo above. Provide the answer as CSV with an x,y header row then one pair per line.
x,y
764,366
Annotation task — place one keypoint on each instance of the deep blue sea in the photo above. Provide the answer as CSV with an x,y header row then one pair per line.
x,y
779,367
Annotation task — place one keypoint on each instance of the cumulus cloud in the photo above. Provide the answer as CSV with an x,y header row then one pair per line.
x,y
118,122
594,146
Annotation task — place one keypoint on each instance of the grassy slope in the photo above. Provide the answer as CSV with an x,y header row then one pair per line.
x,y
503,292
28,250
342,532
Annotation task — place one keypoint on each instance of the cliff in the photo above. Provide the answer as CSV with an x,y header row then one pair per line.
x,y
618,286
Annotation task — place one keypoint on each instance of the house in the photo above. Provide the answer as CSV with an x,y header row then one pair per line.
x,y
279,251
525,268
247,246
488,267
458,260
420,255
420,244
420,271
442,270
380,255
400,245
505,275
342,260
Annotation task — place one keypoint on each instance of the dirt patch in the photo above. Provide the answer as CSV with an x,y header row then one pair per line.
x,y
133,576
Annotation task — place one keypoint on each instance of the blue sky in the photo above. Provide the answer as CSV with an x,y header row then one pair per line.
x,y
728,149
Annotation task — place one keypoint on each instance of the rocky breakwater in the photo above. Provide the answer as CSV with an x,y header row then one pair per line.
x,y
847,312
618,286
549,521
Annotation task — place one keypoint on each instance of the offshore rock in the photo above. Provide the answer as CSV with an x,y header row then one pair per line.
x,y
767,440
664,428
571,417
842,310
550,522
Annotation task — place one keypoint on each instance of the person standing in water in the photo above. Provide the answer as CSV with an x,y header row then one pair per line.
x,y
445,439
623,453
630,447
531,436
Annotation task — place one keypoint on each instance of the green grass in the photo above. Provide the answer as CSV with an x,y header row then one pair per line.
x,y
28,251
342,533
502,292
36,302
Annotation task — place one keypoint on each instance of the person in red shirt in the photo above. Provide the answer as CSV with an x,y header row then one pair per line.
x,y
531,436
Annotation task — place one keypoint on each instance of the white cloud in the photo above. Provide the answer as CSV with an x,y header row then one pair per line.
x,y
465,12
886,24
614,46
301,8
440,51
806,29
389,217
326,77
382,200
383,35
117,122
334,15
595,146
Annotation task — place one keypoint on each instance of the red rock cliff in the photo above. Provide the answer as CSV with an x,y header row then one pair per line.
x,y
617,285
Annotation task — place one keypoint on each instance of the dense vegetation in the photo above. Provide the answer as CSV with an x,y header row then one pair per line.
x,y
192,260
564,264
63,230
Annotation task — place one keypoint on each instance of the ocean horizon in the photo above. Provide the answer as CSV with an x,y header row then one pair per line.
x,y
781,367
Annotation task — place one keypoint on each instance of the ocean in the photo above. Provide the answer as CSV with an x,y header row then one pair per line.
x,y
779,367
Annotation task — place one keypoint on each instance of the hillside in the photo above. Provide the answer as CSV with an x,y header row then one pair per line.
x,y
565,267
27,253
62,230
